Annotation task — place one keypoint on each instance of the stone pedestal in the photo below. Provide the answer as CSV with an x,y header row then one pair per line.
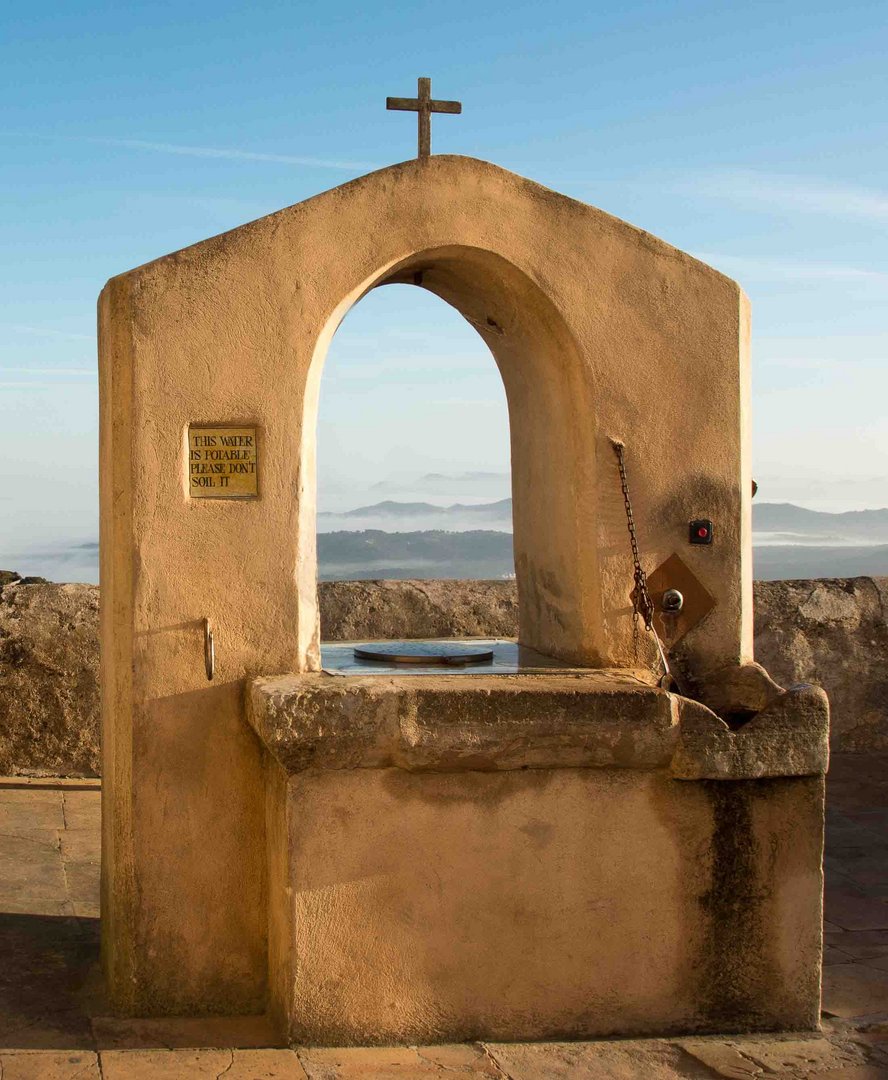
x,y
537,857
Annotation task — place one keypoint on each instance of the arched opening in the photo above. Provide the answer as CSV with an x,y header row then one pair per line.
x,y
552,445
414,477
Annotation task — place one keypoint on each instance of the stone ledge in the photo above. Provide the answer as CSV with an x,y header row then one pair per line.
x,y
788,738
496,723
461,722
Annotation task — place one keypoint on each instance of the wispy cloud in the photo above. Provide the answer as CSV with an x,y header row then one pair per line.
x,y
46,331
819,363
61,377
775,270
423,367
46,371
230,153
219,152
852,345
788,193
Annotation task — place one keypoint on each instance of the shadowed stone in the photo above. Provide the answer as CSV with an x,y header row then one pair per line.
x,y
854,990
176,1032
625,1060
48,965
392,1063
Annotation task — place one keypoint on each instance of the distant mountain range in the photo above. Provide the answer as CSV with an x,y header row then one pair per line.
x,y
472,541
418,539
420,516
807,526
777,562
773,523
463,477
388,508
433,553
474,484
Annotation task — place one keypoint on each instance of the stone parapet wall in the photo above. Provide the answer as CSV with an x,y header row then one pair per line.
x,y
49,679
351,610
828,631
832,632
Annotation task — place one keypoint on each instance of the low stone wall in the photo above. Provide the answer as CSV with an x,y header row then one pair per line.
x,y
832,632
829,631
351,610
49,679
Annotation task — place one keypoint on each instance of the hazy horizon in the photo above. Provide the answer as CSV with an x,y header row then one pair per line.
x,y
396,540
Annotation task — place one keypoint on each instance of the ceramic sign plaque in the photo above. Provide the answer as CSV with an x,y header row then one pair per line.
x,y
223,462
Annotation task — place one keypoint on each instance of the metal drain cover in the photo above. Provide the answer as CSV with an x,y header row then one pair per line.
x,y
448,654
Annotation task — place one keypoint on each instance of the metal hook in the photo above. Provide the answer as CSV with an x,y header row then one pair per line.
x,y
209,650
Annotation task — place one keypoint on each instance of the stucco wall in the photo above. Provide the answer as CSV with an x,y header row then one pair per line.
x,y
555,903
573,305
829,631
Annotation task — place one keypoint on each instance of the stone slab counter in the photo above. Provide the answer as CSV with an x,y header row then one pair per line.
x,y
831,632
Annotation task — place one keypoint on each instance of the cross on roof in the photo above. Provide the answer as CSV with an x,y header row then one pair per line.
x,y
424,106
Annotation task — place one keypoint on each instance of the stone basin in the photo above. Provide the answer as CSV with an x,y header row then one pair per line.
x,y
537,856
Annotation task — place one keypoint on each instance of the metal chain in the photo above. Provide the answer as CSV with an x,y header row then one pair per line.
x,y
641,600
642,605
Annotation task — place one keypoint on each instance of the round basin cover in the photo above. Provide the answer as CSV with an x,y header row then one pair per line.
x,y
423,652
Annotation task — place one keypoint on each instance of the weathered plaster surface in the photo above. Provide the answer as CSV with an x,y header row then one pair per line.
x,y
548,904
575,305
523,856
579,309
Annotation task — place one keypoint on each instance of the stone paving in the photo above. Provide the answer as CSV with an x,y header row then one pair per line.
x,y
54,1023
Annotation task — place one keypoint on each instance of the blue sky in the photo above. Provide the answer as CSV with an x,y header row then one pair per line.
x,y
752,134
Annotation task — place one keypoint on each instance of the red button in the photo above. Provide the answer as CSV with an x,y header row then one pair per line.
x,y
702,531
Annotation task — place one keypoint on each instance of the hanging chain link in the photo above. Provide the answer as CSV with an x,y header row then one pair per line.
x,y
642,605
641,598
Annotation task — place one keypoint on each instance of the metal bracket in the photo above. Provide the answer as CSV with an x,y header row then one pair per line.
x,y
209,650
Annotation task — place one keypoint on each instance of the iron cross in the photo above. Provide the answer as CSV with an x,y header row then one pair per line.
x,y
424,106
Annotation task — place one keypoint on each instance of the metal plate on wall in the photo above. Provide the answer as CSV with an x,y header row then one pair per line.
x,y
674,573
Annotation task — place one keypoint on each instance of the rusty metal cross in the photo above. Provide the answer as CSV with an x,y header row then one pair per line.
x,y
424,106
